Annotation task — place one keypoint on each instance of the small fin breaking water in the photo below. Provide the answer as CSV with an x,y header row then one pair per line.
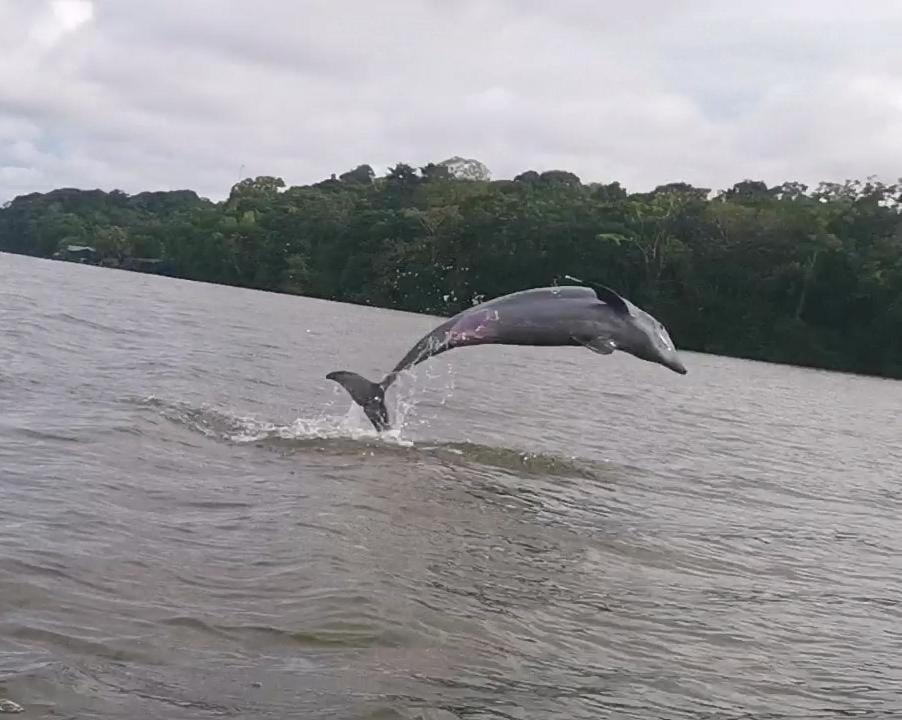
x,y
8,706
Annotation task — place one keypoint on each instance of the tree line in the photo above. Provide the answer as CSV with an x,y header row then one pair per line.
x,y
809,276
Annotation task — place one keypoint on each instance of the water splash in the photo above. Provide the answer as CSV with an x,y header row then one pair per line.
x,y
351,424
242,429
409,394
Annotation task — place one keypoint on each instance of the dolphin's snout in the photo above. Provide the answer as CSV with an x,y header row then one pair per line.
x,y
677,366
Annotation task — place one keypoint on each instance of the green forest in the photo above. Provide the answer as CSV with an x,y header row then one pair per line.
x,y
808,276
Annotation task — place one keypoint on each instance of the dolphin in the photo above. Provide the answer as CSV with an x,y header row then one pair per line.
x,y
595,317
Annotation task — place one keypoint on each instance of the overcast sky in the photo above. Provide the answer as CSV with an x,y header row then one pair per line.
x,y
166,94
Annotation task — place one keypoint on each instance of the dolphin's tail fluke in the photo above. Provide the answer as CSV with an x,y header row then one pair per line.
x,y
369,395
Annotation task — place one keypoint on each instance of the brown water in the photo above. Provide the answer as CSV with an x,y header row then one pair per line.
x,y
194,523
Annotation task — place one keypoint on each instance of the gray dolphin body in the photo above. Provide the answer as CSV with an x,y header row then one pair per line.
x,y
599,320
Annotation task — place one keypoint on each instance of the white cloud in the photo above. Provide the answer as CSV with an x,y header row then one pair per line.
x,y
59,19
172,94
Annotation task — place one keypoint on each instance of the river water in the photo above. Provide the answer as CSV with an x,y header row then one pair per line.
x,y
194,523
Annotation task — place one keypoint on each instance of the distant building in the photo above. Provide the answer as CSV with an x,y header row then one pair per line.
x,y
78,253
143,264
89,255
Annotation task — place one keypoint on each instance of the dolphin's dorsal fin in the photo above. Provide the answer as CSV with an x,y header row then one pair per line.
x,y
605,294
612,299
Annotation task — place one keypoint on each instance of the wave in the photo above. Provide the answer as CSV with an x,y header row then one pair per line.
x,y
343,633
244,429
348,434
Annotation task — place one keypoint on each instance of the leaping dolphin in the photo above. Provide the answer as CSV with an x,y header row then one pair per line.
x,y
598,319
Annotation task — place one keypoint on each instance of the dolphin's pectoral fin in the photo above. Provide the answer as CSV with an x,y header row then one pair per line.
x,y
599,344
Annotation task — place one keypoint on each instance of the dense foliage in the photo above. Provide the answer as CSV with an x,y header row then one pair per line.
x,y
781,273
